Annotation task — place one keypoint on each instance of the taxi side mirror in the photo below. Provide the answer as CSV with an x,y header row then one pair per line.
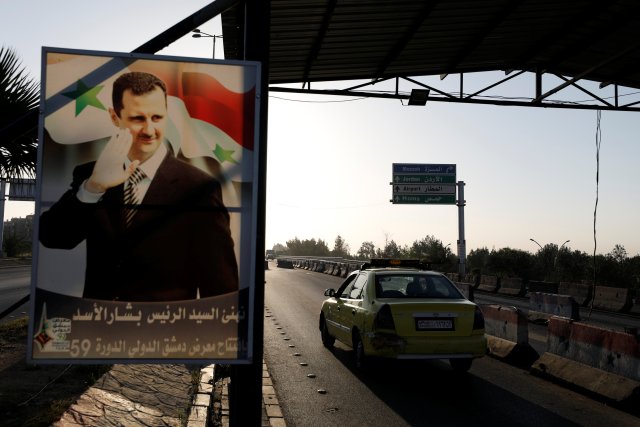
x,y
329,292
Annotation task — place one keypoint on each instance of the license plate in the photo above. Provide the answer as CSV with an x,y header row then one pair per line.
x,y
434,324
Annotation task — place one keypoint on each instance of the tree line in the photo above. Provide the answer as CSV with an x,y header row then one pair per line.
x,y
550,263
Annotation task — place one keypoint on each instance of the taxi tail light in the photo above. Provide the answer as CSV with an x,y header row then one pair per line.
x,y
384,319
478,319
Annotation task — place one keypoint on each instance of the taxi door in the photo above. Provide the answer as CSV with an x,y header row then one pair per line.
x,y
336,307
349,308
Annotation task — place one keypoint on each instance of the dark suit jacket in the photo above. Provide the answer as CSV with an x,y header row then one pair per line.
x,y
179,241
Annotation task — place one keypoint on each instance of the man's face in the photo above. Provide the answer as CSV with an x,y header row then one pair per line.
x,y
145,116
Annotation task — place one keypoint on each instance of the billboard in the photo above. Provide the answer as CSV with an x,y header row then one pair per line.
x,y
22,189
144,238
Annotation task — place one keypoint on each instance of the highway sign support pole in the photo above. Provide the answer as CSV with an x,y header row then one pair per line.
x,y
462,244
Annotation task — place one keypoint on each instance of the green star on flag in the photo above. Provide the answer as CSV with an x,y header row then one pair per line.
x,y
85,96
224,155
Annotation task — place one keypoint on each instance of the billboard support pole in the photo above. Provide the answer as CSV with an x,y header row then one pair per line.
x,y
3,185
462,244
245,393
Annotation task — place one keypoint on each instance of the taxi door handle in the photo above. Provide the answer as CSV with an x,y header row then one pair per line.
x,y
353,312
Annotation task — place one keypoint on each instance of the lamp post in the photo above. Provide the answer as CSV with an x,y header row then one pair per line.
x,y
555,260
444,249
544,257
536,243
199,34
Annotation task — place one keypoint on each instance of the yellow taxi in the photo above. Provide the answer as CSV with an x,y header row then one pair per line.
x,y
398,309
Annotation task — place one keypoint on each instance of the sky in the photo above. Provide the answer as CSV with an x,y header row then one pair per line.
x,y
529,173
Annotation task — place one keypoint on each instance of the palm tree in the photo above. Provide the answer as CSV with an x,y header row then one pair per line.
x,y
19,97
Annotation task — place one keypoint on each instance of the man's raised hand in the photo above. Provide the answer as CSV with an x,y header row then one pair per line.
x,y
108,171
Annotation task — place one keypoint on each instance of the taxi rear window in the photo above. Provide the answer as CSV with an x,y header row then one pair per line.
x,y
415,286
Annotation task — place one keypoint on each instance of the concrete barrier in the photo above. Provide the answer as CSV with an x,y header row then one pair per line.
x,y
546,287
338,270
635,305
328,268
284,263
602,361
488,283
332,268
512,286
507,332
455,277
542,306
352,267
344,270
466,289
580,292
474,279
612,299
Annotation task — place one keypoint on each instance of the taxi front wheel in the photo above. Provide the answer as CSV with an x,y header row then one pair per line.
x,y
327,339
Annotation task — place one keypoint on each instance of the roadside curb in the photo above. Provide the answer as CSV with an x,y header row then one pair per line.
x,y
201,405
271,411
152,395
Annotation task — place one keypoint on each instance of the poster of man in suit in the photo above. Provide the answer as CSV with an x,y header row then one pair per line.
x,y
145,190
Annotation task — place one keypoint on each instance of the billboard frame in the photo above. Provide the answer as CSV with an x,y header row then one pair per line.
x,y
176,310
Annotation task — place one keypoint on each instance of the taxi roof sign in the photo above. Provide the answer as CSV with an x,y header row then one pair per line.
x,y
395,262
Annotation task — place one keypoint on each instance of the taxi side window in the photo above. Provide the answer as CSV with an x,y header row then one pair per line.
x,y
358,286
345,288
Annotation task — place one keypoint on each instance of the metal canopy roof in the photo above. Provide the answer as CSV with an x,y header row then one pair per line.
x,y
373,40
337,40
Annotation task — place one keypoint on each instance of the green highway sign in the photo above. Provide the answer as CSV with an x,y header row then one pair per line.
x,y
424,189
420,183
447,199
424,179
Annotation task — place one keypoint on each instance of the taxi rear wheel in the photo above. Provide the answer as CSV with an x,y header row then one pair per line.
x,y
461,365
327,339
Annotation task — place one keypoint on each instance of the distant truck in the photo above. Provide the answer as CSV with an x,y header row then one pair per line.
x,y
271,254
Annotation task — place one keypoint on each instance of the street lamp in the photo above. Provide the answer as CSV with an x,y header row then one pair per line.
x,y
444,248
555,260
536,243
199,34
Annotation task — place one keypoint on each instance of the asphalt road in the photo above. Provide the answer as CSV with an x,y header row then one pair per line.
x,y
14,285
318,387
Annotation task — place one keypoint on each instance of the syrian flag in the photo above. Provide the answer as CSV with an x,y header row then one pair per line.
x,y
211,108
